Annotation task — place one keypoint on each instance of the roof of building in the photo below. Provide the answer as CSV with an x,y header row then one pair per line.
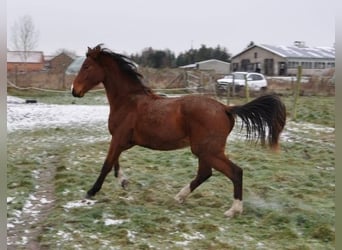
x,y
19,57
296,51
75,66
194,65
48,57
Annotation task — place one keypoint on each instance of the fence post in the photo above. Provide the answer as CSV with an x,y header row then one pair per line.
x,y
296,92
246,89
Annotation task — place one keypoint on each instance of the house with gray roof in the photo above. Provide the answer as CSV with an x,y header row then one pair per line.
x,y
279,60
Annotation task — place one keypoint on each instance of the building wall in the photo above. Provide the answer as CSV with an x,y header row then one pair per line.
x,y
60,63
256,57
24,67
310,67
44,80
259,57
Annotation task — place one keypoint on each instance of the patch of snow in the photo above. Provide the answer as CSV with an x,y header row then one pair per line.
x,y
10,199
35,174
15,100
182,243
44,201
30,116
66,191
65,235
260,245
131,234
79,203
195,236
109,222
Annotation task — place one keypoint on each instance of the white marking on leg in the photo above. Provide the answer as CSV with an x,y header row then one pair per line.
x,y
237,208
181,196
122,179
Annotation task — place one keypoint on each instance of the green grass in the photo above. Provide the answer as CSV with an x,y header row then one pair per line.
x,y
288,197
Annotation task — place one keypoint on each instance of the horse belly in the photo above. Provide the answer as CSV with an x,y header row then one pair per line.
x,y
165,145
161,140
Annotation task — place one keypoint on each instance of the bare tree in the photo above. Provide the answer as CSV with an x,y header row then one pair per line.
x,y
24,36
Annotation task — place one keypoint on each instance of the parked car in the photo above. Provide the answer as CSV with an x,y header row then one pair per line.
x,y
255,81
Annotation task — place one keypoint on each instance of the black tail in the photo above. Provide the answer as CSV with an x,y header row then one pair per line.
x,y
265,112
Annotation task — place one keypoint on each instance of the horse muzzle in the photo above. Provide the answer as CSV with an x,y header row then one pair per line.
x,y
75,93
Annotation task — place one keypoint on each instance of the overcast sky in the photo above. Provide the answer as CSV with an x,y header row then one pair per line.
x,y
129,26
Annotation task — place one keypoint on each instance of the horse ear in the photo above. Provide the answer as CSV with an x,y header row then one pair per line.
x,y
94,53
97,48
89,51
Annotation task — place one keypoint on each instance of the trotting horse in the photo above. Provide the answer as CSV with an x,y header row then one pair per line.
x,y
140,117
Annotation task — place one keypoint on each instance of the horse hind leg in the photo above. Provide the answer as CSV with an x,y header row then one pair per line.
x,y
222,164
204,172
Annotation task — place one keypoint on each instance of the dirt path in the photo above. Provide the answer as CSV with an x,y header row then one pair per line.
x,y
24,232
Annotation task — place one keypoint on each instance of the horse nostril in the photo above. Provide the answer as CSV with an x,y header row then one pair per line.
x,y
74,93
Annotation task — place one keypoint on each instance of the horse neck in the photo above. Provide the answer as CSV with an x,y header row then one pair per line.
x,y
121,87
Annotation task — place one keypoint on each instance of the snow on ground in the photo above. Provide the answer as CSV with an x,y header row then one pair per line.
x,y
79,203
29,116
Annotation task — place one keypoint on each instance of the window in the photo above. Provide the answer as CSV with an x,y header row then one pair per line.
x,y
306,65
255,54
235,67
292,65
319,65
331,65
255,77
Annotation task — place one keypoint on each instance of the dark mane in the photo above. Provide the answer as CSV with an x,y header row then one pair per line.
x,y
127,66
124,63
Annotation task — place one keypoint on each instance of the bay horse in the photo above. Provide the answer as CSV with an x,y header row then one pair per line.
x,y
138,116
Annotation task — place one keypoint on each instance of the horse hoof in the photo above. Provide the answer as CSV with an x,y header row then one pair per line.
x,y
236,209
179,199
89,195
124,184
230,213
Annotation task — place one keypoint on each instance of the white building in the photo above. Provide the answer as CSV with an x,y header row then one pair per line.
x,y
278,60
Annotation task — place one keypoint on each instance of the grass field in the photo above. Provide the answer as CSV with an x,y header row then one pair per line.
x,y
288,197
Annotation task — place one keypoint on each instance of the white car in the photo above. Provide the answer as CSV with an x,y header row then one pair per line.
x,y
255,81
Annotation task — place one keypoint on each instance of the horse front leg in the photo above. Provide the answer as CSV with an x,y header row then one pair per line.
x,y
111,160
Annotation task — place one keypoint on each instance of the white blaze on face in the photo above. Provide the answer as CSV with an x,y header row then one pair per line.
x,y
72,86
181,196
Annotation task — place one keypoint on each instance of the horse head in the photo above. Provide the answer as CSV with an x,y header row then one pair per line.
x,y
90,74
